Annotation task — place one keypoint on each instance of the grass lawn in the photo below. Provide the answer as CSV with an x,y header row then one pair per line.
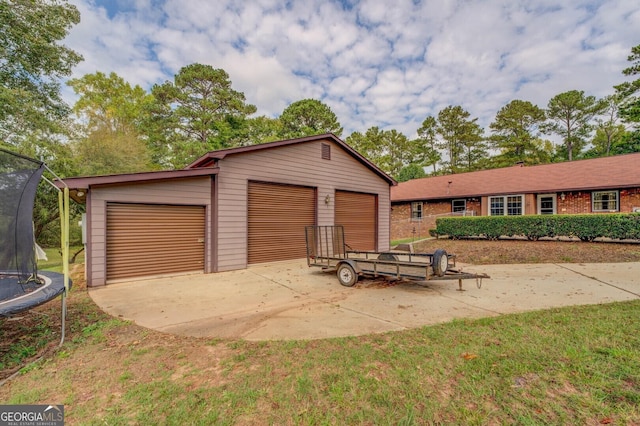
x,y
574,365
54,258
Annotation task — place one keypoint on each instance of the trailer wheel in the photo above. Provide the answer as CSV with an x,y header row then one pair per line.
x,y
440,262
346,275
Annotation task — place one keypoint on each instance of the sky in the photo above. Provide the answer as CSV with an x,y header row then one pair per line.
x,y
384,63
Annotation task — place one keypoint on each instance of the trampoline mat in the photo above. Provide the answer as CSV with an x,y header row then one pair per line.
x,y
16,297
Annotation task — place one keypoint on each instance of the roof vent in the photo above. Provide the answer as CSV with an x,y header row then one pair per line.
x,y
326,151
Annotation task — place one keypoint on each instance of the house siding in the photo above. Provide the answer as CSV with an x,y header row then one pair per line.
x,y
299,164
188,191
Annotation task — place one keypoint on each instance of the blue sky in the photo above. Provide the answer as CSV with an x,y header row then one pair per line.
x,y
374,62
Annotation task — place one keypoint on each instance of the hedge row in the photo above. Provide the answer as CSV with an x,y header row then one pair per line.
x,y
587,227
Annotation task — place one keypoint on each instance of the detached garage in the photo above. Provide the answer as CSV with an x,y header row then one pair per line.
x,y
230,209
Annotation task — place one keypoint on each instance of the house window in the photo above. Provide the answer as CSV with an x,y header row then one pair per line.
x,y
510,205
547,204
326,151
604,201
416,211
458,205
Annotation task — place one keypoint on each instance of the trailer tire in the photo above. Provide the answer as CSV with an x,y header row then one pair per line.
x,y
440,262
346,275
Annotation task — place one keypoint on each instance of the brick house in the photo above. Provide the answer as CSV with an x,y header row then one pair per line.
x,y
599,185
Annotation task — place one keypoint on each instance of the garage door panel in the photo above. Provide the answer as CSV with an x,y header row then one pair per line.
x,y
357,213
144,240
277,216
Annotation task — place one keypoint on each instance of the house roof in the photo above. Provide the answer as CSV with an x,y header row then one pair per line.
x,y
78,185
210,158
622,171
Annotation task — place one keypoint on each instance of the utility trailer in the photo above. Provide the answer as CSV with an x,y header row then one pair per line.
x,y
326,248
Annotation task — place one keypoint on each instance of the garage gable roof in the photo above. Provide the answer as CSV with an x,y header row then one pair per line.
x,y
622,171
210,158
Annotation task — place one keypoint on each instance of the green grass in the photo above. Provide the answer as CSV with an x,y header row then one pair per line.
x,y
406,241
574,365
54,259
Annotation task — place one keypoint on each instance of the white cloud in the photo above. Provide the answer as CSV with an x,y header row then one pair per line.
x,y
374,63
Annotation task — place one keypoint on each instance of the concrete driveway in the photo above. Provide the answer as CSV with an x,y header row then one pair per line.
x,y
288,300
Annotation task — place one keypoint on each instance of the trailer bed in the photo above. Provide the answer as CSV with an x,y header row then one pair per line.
x,y
326,248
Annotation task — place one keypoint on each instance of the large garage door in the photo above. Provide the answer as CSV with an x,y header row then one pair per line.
x,y
357,213
147,240
277,217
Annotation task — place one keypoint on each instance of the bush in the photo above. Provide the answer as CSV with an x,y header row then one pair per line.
x,y
587,227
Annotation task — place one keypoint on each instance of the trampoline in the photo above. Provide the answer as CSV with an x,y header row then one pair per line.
x,y
22,286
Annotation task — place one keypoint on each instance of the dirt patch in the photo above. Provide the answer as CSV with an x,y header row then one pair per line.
x,y
487,252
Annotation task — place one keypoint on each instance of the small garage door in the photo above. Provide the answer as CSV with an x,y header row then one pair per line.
x,y
277,215
147,240
357,213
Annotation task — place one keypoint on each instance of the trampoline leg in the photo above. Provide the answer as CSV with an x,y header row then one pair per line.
x,y
64,316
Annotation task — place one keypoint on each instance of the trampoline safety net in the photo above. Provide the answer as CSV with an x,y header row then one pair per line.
x,y
19,178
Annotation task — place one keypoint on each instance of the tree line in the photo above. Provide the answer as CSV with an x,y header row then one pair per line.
x,y
115,127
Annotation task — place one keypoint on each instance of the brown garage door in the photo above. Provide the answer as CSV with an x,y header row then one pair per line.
x,y
277,216
357,213
147,240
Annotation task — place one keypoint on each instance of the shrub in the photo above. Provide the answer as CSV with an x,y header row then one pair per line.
x,y
587,227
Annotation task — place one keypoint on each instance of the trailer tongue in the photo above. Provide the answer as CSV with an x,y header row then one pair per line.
x,y
326,248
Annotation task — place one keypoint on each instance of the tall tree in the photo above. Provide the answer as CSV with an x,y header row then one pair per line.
x,y
308,117
628,91
388,149
104,152
255,130
400,152
110,111
427,153
371,144
515,132
608,129
461,138
190,115
474,147
109,103
569,116
32,62
412,171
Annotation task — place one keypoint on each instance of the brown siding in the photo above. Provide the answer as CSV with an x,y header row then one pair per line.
x,y
191,191
299,164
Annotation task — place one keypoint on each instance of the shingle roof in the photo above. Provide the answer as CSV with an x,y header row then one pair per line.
x,y
622,171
